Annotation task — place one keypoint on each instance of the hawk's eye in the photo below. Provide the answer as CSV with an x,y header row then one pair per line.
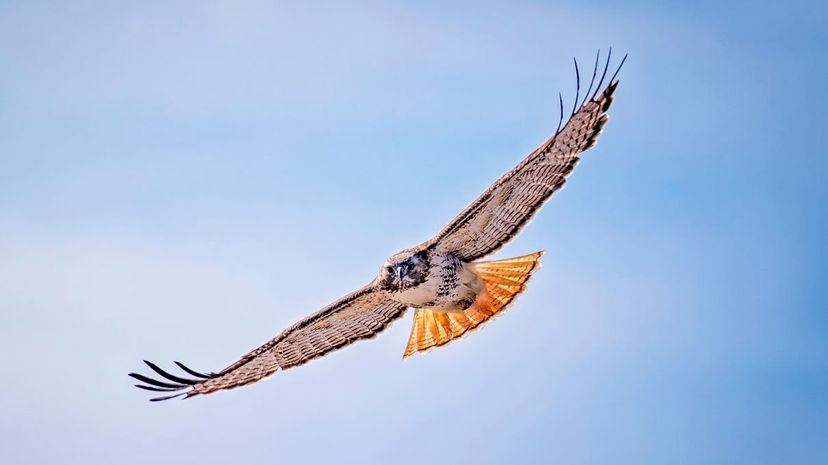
x,y
409,266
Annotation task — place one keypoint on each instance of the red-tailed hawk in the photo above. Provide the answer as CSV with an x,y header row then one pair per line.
x,y
443,279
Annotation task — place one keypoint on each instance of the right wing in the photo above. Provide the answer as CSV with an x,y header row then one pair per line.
x,y
360,315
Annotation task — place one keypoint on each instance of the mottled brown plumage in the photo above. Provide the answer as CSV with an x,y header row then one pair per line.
x,y
442,278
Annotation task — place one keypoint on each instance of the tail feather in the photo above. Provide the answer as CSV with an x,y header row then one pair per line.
x,y
503,281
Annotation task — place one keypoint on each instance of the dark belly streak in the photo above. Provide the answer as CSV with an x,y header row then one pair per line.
x,y
451,280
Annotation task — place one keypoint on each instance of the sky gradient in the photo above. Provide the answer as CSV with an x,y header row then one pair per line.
x,y
183,180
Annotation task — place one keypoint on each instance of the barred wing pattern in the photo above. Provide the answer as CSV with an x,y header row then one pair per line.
x,y
498,215
360,315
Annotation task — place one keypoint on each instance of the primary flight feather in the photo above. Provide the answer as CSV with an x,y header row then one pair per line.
x,y
443,279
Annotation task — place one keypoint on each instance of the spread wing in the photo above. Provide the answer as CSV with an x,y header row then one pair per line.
x,y
498,215
360,315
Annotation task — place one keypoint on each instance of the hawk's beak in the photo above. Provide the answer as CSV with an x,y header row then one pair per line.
x,y
399,274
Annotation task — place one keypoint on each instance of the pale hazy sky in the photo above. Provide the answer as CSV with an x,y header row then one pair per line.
x,y
182,180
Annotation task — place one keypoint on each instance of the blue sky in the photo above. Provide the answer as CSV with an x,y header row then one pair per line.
x,y
182,180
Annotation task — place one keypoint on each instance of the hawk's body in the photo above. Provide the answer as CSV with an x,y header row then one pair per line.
x,y
452,291
434,281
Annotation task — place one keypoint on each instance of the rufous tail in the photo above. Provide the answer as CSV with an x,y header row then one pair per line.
x,y
503,281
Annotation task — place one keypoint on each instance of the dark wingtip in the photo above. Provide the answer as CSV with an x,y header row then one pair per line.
x,y
560,120
159,399
594,73
600,95
154,382
603,74
193,372
156,389
577,87
170,376
177,384
613,81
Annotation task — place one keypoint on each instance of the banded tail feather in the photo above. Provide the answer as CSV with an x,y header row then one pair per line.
x,y
503,281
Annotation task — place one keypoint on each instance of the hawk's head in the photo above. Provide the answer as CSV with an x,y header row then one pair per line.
x,y
404,270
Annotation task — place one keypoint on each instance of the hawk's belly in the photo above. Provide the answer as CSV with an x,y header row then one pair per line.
x,y
451,286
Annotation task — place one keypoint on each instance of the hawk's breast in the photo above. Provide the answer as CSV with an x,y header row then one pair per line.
x,y
451,285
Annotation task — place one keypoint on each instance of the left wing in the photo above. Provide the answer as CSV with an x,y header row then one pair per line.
x,y
359,315
498,215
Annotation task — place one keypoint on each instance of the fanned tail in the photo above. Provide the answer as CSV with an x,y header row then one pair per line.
x,y
503,280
